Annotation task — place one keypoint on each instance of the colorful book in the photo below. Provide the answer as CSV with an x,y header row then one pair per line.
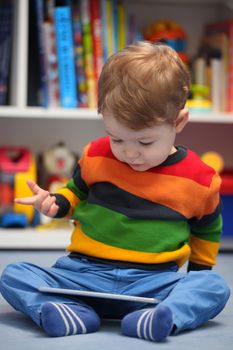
x,y
122,28
225,27
96,30
110,27
51,55
65,52
6,32
88,53
81,81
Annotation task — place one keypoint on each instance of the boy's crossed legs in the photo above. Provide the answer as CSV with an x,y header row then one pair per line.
x,y
182,296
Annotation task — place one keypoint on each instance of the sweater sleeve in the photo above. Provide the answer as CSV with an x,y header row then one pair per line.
x,y
68,197
206,230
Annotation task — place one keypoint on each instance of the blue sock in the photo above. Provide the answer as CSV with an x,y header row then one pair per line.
x,y
61,319
151,324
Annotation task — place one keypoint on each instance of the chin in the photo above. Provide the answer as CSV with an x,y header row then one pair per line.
x,y
141,167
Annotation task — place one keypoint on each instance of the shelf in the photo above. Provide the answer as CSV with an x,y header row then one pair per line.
x,y
91,114
48,113
34,239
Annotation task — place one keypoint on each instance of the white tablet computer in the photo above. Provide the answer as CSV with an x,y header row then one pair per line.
x,y
98,295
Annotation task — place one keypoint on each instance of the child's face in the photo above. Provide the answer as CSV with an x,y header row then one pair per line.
x,y
143,149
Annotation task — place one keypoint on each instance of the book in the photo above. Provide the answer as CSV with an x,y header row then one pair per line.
x,y
81,82
110,27
37,68
96,31
6,32
225,28
122,29
88,53
51,55
65,52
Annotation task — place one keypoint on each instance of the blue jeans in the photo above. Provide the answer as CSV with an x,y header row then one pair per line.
x,y
193,298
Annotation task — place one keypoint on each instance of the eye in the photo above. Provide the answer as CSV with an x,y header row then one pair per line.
x,y
146,143
116,140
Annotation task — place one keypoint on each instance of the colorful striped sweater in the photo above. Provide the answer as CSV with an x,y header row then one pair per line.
x,y
168,213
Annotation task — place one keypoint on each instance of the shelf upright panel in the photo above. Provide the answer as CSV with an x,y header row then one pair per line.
x,y
18,95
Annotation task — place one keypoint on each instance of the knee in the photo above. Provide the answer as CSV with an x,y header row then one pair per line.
x,y
215,284
10,274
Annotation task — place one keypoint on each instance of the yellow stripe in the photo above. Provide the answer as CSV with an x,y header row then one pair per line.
x,y
71,197
203,252
83,244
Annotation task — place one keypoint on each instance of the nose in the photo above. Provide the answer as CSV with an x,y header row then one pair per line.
x,y
131,152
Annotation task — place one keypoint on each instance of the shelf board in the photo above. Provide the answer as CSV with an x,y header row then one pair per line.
x,y
91,114
31,238
48,113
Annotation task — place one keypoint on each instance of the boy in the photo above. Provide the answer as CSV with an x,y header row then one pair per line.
x,y
142,207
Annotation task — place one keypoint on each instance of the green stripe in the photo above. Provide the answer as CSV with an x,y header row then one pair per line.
x,y
115,229
71,186
210,232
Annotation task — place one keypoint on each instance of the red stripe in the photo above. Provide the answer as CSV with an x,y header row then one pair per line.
x,y
191,167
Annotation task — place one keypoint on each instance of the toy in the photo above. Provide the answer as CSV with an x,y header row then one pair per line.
x,y
169,32
57,165
213,159
199,99
17,164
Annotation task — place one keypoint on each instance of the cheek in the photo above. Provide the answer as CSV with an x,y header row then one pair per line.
x,y
115,150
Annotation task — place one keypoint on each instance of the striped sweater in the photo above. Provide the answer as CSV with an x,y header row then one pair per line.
x,y
168,213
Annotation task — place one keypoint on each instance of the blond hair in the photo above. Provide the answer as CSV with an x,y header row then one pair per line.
x,y
144,84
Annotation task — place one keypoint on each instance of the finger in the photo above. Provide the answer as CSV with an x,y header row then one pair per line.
x,y
46,204
53,210
25,200
40,199
34,187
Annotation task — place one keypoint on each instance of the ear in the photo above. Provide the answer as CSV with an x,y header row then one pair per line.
x,y
181,120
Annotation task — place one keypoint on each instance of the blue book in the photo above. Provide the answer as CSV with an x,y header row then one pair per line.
x,y
66,59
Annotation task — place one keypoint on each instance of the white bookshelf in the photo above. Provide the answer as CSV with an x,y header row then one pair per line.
x,y
40,128
31,238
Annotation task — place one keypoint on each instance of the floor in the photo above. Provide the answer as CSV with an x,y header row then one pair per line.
x,y
19,332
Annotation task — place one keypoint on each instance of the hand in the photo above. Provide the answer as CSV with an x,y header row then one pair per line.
x,y
41,200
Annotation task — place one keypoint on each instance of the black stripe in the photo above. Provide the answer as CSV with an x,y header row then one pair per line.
x,y
207,219
64,205
112,197
176,157
78,181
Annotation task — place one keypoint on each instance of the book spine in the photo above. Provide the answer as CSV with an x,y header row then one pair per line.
x,y
216,73
109,27
122,30
115,25
96,29
52,66
6,25
79,57
230,72
88,53
51,55
104,29
65,52
43,97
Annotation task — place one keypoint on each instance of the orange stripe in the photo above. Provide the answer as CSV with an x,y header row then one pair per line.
x,y
83,244
177,193
203,252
